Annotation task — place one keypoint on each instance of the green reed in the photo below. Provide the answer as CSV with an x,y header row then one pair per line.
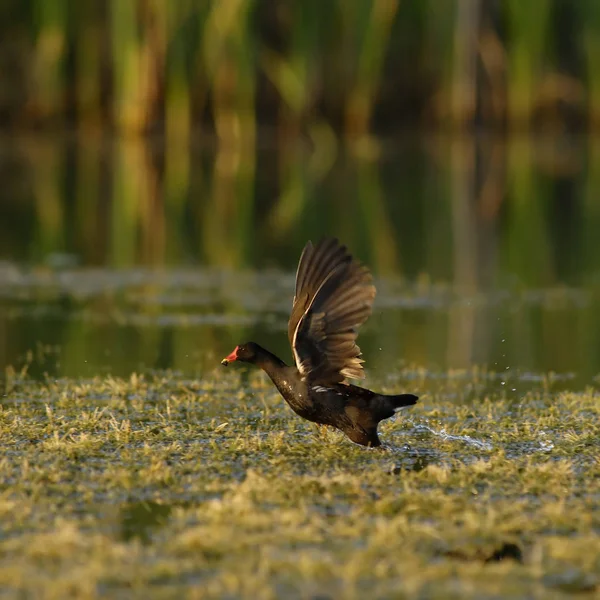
x,y
526,56
224,65
590,19
50,34
87,69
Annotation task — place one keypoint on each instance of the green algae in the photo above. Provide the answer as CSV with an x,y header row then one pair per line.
x,y
160,485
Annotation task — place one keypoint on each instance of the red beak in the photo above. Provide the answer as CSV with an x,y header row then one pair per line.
x,y
230,358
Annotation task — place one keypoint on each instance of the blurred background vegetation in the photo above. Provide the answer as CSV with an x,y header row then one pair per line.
x,y
448,142
245,69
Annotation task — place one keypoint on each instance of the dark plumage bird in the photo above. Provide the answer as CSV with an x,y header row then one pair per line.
x,y
334,296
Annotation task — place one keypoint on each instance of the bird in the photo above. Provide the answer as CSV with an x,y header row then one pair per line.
x,y
333,297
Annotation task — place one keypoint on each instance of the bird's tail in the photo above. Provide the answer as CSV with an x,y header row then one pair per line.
x,y
381,406
402,401
385,406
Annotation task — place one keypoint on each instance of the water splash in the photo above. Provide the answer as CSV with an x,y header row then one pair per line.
x,y
546,445
420,428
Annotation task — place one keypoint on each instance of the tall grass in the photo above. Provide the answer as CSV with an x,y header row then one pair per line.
x,y
358,68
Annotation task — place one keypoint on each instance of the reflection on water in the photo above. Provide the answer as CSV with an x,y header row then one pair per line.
x,y
119,256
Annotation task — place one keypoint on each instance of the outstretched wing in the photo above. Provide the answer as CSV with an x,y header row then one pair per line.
x,y
315,265
334,296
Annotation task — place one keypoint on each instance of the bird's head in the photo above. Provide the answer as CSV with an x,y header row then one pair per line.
x,y
247,352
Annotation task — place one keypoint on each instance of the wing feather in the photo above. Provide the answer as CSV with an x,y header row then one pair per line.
x,y
315,265
334,297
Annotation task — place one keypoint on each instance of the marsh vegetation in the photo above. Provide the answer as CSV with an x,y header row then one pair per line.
x,y
162,164
189,477
161,483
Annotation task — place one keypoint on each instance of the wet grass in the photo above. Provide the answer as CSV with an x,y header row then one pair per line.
x,y
160,483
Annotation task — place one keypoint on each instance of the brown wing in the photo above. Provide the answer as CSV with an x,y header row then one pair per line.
x,y
316,263
334,295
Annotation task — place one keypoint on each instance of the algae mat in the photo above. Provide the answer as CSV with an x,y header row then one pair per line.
x,y
165,486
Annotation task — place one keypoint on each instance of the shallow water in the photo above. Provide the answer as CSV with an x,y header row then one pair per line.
x,y
80,322
485,253
111,263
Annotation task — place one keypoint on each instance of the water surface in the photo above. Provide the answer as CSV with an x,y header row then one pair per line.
x,y
123,256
